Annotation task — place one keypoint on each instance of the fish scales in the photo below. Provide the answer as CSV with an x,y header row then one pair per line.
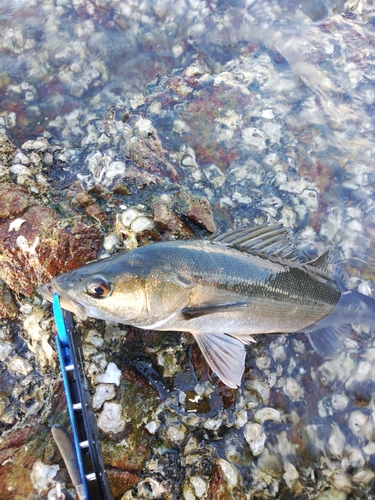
x,y
223,291
237,277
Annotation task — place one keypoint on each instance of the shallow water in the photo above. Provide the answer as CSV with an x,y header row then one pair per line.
x,y
267,110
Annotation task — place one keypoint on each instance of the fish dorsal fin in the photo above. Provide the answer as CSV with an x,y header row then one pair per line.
x,y
225,355
271,239
320,262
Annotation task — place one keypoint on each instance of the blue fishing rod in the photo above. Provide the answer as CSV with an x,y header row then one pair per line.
x,y
82,454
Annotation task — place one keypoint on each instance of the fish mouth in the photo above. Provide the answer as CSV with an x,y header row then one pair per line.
x,y
48,291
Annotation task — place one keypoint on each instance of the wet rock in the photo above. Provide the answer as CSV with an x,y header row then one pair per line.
x,y
145,149
197,209
134,393
41,249
39,341
21,454
225,482
8,309
120,481
7,150
14,200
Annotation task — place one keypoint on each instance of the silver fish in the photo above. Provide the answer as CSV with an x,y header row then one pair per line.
x,y
222,291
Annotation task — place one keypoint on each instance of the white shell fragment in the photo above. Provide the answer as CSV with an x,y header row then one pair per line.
x,y
20,366
110,419
255,438
112,375
42,475
103,392
267,413
293,389
176,433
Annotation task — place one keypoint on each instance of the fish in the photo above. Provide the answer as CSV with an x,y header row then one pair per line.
x,y
223,290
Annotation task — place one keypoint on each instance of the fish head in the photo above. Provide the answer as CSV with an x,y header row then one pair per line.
x,y
103,289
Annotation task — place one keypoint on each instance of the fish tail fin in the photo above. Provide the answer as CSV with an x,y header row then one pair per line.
x,y
225,355
329,334
357,308
328,341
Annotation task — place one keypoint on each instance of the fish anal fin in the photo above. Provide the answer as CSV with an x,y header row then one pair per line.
x,y
270,239
225,355
196,312
320,262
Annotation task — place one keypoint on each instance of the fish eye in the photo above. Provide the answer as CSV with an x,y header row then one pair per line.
x,y
99,287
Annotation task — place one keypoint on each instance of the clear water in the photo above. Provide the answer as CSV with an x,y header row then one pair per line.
x,y
265,108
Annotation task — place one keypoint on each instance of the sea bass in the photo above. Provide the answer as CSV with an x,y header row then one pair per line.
x,y
222,290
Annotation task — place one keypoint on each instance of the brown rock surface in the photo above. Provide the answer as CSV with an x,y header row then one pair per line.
x,y
14,200
8,308
40,248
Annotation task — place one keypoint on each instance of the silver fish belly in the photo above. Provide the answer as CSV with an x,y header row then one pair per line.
x,y
222,291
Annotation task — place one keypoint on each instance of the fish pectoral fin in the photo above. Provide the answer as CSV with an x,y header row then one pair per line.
x,y
328,341
196,312
270,239
225,355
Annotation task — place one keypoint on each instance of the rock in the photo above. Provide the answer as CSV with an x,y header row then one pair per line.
x,y
134,393
14,200
8,309
7,150
41,249
225,482
197,209
165,217
120,481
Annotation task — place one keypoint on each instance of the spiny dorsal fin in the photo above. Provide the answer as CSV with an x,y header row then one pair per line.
x,y
270,239
320,262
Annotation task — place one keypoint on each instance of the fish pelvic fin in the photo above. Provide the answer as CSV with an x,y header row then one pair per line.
x,y
225,356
